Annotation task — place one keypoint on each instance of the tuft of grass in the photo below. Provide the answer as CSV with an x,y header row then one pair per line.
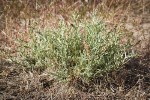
x,y
83,48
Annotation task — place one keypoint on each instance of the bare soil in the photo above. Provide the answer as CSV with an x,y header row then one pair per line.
x,y
132,82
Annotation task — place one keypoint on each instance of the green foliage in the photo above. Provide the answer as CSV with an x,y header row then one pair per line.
x,y
82,49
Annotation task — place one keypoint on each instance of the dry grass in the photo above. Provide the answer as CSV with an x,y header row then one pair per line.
x,y
20,16
17,16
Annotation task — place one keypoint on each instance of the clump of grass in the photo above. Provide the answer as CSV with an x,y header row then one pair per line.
x,y
83,49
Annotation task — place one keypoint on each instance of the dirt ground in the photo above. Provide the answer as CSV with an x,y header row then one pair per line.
x,y
132,82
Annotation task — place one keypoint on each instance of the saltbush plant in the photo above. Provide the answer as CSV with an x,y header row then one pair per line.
x,y
83,48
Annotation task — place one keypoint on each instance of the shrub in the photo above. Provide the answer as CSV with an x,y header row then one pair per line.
x,y
84,49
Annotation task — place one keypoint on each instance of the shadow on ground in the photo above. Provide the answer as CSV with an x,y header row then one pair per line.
x,y
130,81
